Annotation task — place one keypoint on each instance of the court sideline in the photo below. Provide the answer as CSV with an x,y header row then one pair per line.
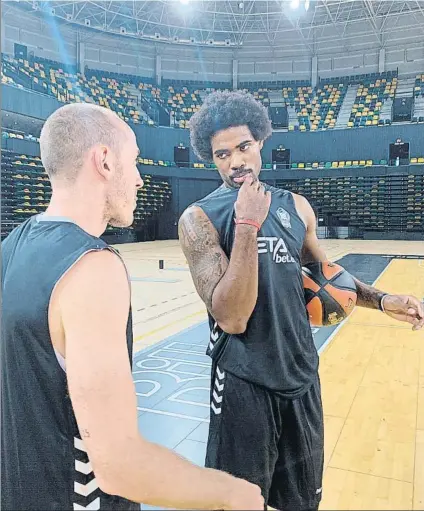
x,y
372,375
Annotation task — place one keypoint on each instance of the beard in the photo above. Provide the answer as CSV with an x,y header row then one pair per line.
x,y
118,211
120,221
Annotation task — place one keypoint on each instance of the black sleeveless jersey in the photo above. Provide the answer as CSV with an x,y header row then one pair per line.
x,y
44,464
277,349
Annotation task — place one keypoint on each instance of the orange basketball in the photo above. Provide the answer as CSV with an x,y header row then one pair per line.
x,y
330,293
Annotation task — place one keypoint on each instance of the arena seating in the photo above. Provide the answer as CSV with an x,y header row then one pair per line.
x,y
348,164
337,164
321,111
419,99
183,102
8,80
26,191
10,73
51,78
369,101
334,165
8,133
131,96
419,86
374,203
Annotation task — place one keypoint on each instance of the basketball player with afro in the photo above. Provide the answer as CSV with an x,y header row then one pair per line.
x,y
245,244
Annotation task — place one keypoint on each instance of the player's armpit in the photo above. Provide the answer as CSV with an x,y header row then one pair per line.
x,y
311,251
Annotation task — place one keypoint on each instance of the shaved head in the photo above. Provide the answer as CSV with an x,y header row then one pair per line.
x,y
91,154
71,131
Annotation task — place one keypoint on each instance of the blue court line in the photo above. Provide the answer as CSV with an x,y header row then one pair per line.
x,y
149,279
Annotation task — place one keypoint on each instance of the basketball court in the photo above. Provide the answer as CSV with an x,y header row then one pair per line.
x,y
371,367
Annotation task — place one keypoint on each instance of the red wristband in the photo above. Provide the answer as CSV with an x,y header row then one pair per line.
x,y
247,222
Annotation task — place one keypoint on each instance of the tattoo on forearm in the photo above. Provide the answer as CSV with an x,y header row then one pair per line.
x,y
205,257
368,296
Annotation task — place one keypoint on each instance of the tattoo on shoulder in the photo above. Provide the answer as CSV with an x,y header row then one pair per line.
x,y
205,257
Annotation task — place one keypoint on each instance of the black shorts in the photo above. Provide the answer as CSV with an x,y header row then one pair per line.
x,y
271,441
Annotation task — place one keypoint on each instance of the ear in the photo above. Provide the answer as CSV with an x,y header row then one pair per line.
x,y
101,157
261,144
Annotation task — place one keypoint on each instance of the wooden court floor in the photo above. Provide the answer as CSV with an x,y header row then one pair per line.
x,y
372,372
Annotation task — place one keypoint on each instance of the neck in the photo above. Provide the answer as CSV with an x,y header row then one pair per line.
x,y
80,208
230,186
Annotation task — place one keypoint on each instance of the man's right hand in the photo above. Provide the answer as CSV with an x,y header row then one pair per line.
x,y
253,201
244,495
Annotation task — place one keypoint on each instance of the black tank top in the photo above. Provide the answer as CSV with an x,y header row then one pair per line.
x,y
277,349
44,464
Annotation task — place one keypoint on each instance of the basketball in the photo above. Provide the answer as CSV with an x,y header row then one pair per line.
x,y
330,293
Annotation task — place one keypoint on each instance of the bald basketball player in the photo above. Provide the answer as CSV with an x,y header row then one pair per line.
x,y
245,244
69,433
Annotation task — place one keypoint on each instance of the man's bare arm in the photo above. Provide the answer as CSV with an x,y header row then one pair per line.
x,y
368,296
200,243
229,288
94,300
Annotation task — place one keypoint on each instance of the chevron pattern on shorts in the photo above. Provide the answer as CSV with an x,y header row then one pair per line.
x,y
213,337
218,391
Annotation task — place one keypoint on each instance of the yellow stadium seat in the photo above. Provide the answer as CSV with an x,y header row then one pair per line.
x,y
414,160
335,164
362,163
420,160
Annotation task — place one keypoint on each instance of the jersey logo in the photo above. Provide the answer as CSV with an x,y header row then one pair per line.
x,y
284,217
276,247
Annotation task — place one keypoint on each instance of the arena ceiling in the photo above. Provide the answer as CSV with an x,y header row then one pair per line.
x,y
235,23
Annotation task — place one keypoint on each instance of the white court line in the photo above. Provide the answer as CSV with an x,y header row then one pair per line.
x,y
331,337
171,414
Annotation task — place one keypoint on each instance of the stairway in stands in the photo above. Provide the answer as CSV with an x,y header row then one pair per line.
x,y
386,111
405,87
346,109
276,99
136,96
418,107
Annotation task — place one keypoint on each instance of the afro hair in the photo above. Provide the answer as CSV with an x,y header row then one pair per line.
x,y
222,110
